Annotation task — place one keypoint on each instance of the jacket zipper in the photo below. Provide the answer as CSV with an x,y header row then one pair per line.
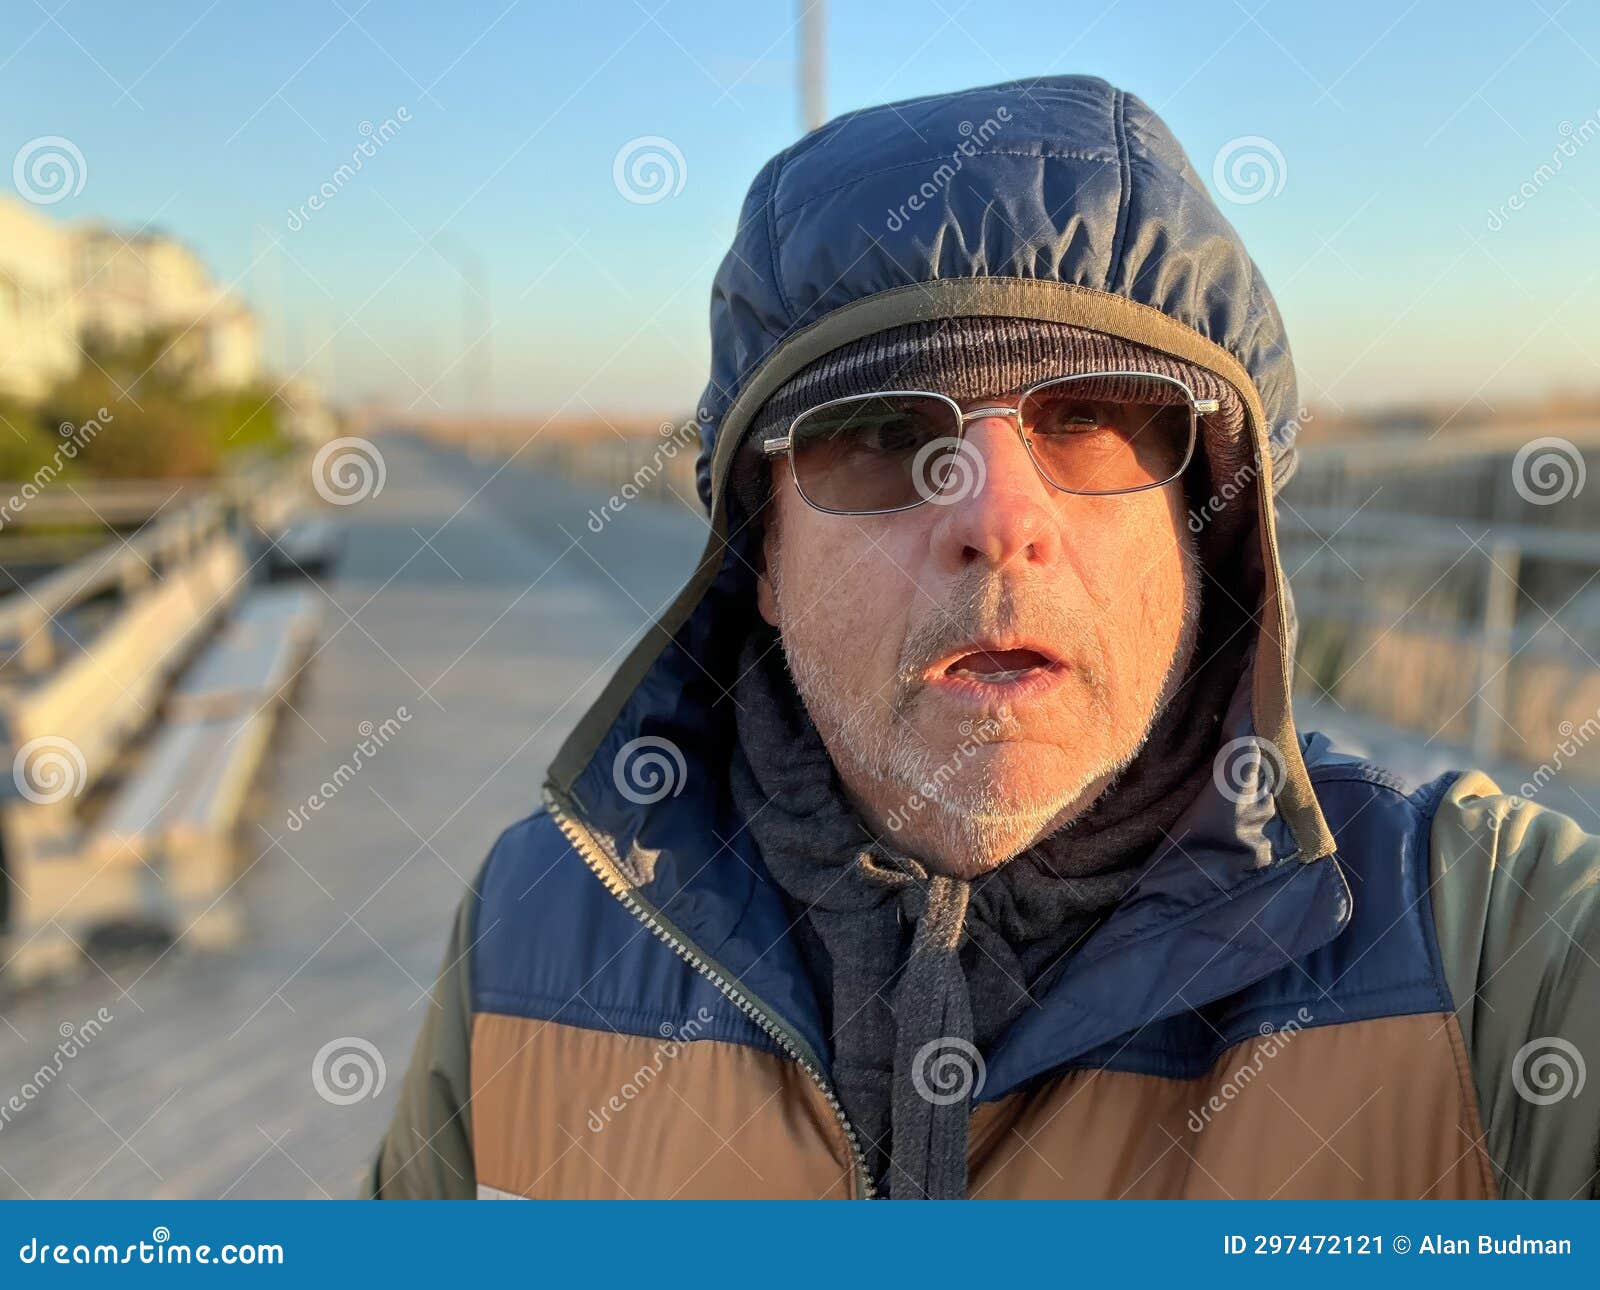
x,y
607,871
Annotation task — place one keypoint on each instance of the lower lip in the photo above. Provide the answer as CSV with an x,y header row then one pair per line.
x,y
1031,684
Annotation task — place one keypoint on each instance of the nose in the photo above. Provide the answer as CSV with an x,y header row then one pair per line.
x,y
1005,513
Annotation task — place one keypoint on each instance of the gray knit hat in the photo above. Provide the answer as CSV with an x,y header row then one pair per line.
x,y
969,358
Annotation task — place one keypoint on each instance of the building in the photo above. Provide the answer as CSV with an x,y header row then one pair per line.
x,y
148,284
62,286
39,316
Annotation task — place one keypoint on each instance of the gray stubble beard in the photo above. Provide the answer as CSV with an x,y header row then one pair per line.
x,y
963,811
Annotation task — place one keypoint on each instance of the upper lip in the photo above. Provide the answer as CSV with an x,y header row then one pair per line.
x,y
993,645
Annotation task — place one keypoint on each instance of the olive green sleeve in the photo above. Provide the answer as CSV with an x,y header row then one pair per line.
x,y
1516,900
427,1152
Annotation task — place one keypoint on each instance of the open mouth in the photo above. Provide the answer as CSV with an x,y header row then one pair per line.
x,y
997,666
983,671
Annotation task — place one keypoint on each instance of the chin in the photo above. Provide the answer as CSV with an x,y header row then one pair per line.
x,y
967,844
1011,795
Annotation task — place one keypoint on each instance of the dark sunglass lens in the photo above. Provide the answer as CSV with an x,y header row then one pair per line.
x,y
865,454
1109,434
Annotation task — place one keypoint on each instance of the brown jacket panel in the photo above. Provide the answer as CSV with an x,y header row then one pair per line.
x,y
591,1114
1372,1109
1380,1108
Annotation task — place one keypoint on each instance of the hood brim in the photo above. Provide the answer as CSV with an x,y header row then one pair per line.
x,y
1271,714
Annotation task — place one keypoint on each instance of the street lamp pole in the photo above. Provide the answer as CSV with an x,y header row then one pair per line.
x,y
812,17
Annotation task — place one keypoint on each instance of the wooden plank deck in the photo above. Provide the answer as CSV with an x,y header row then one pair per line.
x,y
492,639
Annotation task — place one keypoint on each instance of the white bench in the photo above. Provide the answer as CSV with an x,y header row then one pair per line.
x,y
72,726
177,814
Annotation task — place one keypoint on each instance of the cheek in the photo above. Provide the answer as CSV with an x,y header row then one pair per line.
x,y
843,597
1132,560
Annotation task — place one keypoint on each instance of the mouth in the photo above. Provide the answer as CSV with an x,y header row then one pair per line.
x,y
994,669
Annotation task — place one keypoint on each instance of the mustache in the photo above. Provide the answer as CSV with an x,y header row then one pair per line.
x,y
987,603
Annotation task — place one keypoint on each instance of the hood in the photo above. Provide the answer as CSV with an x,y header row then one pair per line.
x,y
1061,199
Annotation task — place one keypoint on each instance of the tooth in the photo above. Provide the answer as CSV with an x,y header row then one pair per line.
x,y
1010,674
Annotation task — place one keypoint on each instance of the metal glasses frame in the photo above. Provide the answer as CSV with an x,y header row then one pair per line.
x,y
783,445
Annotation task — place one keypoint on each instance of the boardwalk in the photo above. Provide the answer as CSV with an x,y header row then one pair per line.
x,y
480,603
466,599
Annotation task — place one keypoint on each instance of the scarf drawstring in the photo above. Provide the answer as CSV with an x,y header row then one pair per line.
x,y
936,1064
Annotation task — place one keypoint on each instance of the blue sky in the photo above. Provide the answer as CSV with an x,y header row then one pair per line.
x,y
1401,127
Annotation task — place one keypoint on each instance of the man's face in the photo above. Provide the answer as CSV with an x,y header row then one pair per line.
x,y
980,669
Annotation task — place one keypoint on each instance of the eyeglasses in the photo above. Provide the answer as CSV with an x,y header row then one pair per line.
x,y
1096,434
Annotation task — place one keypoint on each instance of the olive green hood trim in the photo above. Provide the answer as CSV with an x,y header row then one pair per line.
x,y
1030,298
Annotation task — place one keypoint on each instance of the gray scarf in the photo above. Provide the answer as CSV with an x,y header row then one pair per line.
x,y
918,973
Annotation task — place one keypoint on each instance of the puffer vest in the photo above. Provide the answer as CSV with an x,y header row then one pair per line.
x,y
1288,1034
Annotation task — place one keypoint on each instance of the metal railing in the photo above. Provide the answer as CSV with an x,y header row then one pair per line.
x,y
1473,614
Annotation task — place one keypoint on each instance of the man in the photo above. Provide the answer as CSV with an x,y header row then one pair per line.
x,y
951,834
